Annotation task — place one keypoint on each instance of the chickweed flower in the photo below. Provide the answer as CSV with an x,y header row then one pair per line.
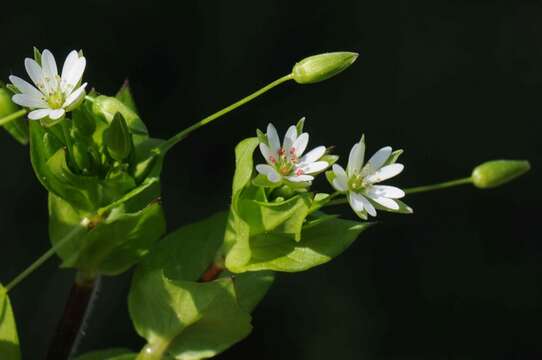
x,y
287,162
358,181
54,95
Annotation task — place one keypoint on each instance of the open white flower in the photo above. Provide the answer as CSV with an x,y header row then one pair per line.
x,y
54,94
358,181
287,162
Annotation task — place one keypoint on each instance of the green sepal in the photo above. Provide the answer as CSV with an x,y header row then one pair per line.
x,y
9,340
186,320
299,126
109,354
13,89
262,181
262,138
393,157
125,96
37,55
115,241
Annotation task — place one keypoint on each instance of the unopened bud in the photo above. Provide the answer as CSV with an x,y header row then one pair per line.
x,y
497,172
117,138
322,67
106,107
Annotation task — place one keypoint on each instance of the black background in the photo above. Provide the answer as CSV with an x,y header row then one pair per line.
x,y
454,83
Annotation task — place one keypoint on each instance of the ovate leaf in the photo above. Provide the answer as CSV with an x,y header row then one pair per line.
x,y
187,320
9,340
116,243
320,242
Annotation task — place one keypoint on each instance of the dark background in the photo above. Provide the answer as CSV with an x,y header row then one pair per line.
x,y
454,83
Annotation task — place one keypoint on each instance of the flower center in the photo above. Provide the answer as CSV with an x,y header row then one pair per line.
x,y
356,182
284,164
56,99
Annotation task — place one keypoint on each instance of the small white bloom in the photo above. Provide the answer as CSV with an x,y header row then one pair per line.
x,y
54,94
358,181
287,162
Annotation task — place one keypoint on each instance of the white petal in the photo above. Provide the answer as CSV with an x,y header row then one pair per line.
x,y
314,167
313,155
273,138
384,201
289,138
300,144
384,173
300,178
50,71
39,114
73,77
376,161
70,63
25,87
269,156
391,192
34,72
355,159
56,114
269,171
368,206
340,182
29,101
75,96
356,201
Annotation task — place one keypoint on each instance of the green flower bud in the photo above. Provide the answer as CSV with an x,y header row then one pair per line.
x,y
117,139
18,128
83,122
107,107
497,172
322,67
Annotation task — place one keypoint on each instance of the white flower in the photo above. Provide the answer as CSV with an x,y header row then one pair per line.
x,y
54,94
358,181
287,162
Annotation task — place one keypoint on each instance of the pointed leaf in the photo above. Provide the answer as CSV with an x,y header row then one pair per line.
x,y
9,340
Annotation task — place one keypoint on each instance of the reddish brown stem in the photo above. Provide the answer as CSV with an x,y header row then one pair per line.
x,y
212,273
75,312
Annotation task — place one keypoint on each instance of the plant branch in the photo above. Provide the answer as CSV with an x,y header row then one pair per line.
x,y
183,134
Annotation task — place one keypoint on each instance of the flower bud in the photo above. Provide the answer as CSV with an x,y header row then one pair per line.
x,y
322,67
117,138
18,128
497,172
107,108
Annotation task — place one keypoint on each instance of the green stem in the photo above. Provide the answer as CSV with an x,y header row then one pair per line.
x,y
14,116
154,351
417,189
183,134
43,258
439,186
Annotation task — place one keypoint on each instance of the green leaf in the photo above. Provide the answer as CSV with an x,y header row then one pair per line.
x,y
320,242
187,253
251,287
125,96
9,341
244,164
17,128
110,354
117,241
187,320
117,138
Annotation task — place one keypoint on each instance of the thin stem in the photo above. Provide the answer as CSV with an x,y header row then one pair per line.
x,y
76,312
43,258
12,116
417,189
439,186
183,134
